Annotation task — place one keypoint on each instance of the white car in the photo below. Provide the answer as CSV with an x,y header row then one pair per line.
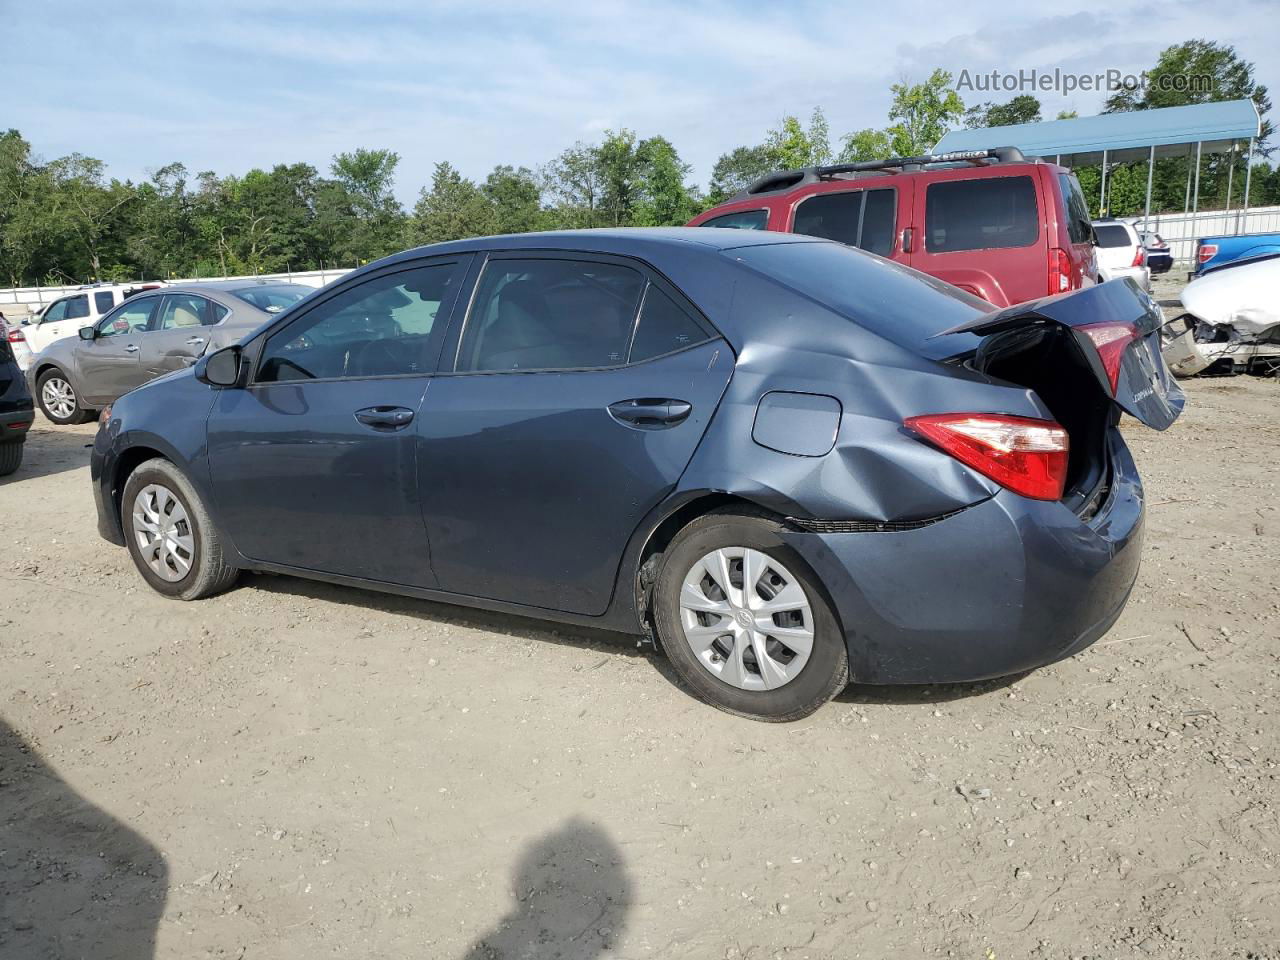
x,y
1120,252
65,316
12,332
1232,323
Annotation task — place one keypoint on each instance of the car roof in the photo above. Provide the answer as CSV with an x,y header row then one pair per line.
x,y
223,286
616,240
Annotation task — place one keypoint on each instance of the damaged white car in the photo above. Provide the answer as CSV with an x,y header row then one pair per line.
x,y
1232,323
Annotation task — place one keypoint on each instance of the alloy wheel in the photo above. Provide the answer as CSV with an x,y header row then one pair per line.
x,y
163,532
746,618
58,397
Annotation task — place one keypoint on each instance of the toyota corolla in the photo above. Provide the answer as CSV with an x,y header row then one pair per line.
x,y
792,462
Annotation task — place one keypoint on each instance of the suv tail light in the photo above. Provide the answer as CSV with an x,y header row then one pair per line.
x,y
1059,271
1026,456
1139,257
1111,339
16,335
1206,252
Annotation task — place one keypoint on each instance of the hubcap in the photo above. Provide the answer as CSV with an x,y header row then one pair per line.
x,y
746,618
59,399
163,532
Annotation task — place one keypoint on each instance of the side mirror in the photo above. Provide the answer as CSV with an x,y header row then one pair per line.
x,y
220,368
88,333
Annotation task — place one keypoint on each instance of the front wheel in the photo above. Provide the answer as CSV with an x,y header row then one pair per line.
x,y
171,537
745,622
58,400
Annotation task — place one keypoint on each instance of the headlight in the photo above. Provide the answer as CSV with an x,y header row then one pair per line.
x,y
105,416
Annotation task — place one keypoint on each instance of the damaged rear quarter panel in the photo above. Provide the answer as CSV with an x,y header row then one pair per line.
x,y
877,469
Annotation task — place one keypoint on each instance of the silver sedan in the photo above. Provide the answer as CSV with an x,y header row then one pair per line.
x,y
147,336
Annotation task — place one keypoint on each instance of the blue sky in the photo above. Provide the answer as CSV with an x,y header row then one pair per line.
x,y
242,83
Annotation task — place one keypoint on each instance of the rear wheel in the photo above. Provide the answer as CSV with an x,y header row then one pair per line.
x,y
58,400
170,535
10,457
745,622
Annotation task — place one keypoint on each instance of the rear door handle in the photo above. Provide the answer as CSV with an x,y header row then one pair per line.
x,y
385,418
195,341
650,413
131,348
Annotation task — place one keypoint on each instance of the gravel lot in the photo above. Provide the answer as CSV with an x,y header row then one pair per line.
x,y
294,770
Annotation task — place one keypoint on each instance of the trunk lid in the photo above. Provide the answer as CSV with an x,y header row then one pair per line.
x,y
1143,386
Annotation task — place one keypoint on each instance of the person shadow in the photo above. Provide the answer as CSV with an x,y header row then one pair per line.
x,y
74,881
572,896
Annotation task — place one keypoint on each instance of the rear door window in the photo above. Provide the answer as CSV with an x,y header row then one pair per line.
x,y
182,310
103,301
78,307
550,314
1077,211
859,218
1112,235
984,213
746,220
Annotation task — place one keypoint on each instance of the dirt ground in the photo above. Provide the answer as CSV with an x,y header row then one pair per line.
x,y
294,770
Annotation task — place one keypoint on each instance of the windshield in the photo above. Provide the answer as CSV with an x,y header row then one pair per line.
x,y
900,304
272,299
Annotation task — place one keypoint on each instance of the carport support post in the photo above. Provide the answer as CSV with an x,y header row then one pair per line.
x,y
1102,191
1195,197
1151,168
1186,203
1243,223
1231,170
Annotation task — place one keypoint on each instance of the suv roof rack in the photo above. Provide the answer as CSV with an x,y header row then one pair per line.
x,y
781,180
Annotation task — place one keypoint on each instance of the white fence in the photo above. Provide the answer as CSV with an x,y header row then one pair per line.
x,y
19,301
1181,231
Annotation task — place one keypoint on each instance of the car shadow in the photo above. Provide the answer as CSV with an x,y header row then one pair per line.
x,y
74,881
924,693
572,894
51,450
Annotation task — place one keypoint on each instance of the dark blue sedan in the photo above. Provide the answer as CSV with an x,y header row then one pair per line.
x,y
793,462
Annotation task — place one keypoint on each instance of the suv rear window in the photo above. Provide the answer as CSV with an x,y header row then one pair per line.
x,y
981,214
1112,235
744,220
860,218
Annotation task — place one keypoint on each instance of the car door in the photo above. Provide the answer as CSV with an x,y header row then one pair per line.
x,y
178,333
52,325
313,463
108,364
580,387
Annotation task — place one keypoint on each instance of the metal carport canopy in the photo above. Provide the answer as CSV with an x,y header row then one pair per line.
x,y
1080,141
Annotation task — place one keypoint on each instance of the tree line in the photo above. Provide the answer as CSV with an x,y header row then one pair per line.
x,y
65,221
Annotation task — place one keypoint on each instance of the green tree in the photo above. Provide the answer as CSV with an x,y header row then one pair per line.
x,y
1023,108
516,199
453,208
738,168
923,112
862,146
665,199
573,182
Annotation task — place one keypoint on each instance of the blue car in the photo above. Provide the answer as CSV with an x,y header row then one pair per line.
x,y
1214,252
791,462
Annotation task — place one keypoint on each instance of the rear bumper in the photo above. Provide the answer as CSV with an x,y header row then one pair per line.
x,y
1005,586
16,411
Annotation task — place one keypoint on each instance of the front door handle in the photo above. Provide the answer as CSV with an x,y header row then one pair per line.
x,y
195,341
650,413
131,348
385,418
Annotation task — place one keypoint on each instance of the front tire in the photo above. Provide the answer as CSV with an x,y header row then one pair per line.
x,y
10,456
171,537
745,622
58,399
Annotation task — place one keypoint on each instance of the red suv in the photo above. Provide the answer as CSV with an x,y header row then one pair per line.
x,y
991,222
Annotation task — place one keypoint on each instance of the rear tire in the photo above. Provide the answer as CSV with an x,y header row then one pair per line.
x,y
10,456
171,537
757,665
58,399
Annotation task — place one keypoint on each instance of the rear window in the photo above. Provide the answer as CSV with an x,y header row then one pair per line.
x,y
746,220
899,304
272,299
982,214
1112,235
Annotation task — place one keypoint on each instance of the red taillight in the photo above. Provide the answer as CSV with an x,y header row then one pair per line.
x,y
16,335
1111,339
1207,252
1059,271
1026,456
1139,257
